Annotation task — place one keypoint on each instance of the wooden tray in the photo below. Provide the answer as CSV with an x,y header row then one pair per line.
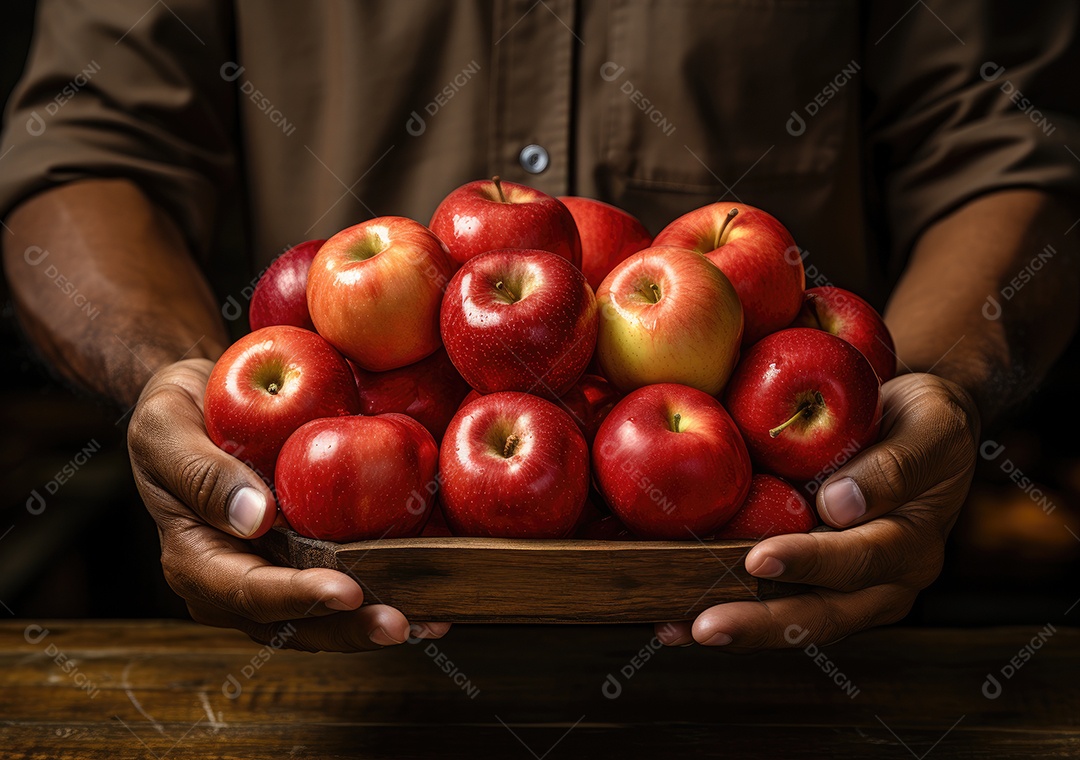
x,y
501,580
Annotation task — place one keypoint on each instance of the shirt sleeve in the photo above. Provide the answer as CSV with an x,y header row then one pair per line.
x,y
113,90
965,99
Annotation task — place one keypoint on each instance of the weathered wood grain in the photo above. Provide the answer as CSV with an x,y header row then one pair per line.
x,y
487,580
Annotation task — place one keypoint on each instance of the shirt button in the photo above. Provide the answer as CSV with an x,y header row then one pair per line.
x,y
533,158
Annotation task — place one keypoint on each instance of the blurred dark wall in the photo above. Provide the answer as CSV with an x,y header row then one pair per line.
x,y
70,545
88,547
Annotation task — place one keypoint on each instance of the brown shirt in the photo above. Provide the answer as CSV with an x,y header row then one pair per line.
x,y
856,124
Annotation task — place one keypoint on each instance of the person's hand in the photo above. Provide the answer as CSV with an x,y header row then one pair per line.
x,y
205,502
895,503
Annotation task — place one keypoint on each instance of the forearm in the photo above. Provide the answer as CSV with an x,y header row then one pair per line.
x,y
957,313
105,287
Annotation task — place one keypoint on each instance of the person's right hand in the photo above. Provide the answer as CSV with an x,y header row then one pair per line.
x,y
205,502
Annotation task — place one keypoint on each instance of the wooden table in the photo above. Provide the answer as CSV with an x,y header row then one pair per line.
x,y
166,689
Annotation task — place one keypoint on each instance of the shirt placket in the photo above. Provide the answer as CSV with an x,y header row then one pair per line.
x,y
533,57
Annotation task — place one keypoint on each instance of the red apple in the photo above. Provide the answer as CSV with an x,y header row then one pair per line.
x,y
519,320
513,465
280,296
756,253
773,507
428,391
608,236
588,402
668,316
847,316
805,401
436,526
487,215
670,462
374,292
269,383
355,478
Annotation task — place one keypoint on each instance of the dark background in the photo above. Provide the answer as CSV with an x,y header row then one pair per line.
x,y
93,550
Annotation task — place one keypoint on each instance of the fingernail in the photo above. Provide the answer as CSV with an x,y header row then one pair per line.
x,y
382,638
770,568
687,644
246,510
337,604
844,501
718,640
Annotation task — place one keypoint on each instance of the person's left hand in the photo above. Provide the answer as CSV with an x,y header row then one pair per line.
x,y
902,495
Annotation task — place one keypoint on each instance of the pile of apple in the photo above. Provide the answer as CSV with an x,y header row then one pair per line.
x,y
534,367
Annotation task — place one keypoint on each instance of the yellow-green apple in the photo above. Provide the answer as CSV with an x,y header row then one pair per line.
x,y
773,507
513,465
668,315
487,215
269,383
353,478
280,296
519,320
374,291
847,316
670,462
428,391
608,236
805,401
756,253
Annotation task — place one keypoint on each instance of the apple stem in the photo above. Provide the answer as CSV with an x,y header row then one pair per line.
x,y
272,389
498,187
656,292
505,289
511,445
675,420
806,410
727,220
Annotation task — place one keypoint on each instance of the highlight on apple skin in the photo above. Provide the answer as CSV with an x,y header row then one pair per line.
x,y
671,463
269,383
847,316
374,292
608,236
805,401
487,215
520,320
356,478
280,295
757,254
668,315
514,466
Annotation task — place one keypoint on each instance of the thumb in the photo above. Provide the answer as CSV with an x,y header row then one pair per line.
x,y
174,460
928,439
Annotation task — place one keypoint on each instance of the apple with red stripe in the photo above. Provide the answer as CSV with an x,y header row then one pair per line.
x,y
519,320
513,465
488,215
847,316
668,315
356,478
280,296
269,383
772,508
374,292
757,254
608,236
428,391
805,401
670,463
